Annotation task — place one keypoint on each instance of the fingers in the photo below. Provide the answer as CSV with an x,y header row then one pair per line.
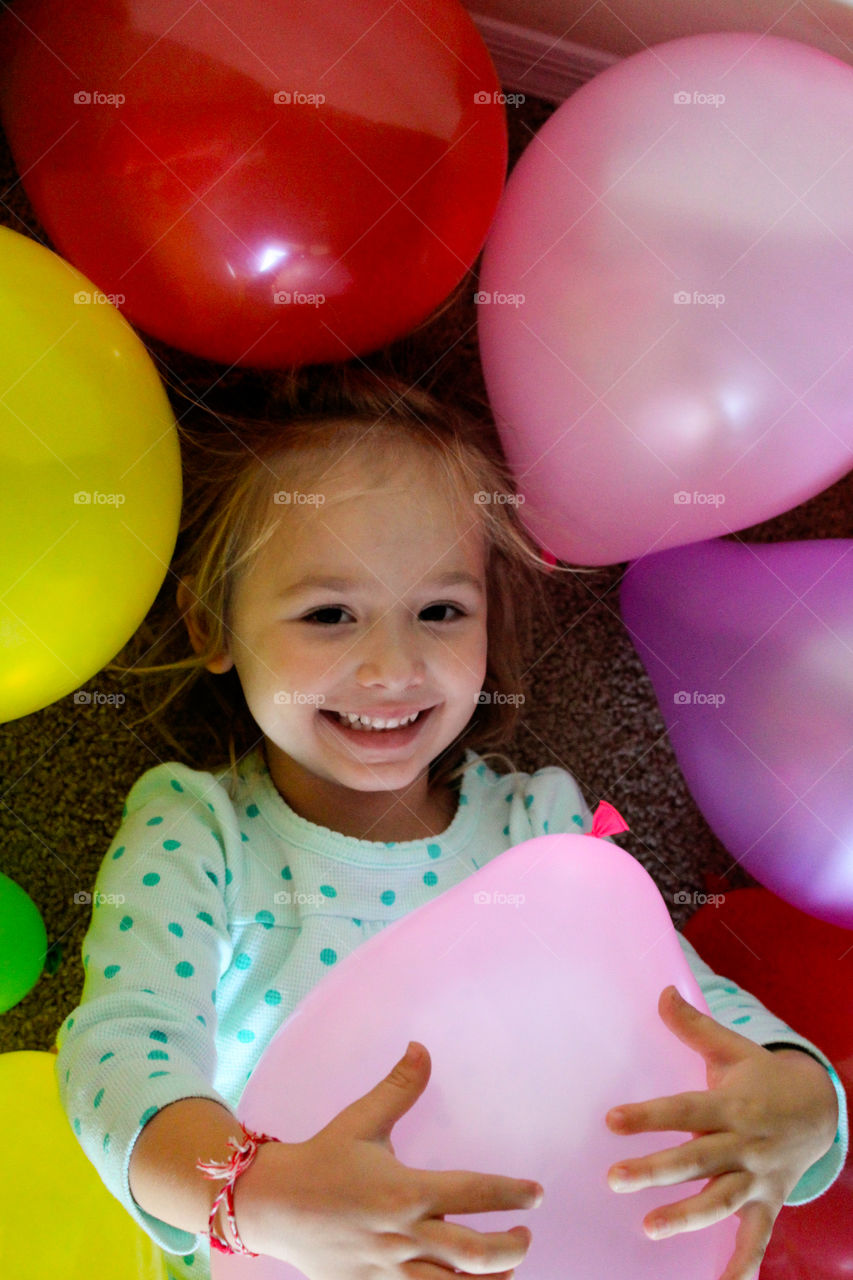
x,y
700,1031
460,1191
471,1252
720,1198
753,1237
694,1112
703,1157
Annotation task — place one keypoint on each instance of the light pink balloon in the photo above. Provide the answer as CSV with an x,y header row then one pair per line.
x,y
636,421
534,985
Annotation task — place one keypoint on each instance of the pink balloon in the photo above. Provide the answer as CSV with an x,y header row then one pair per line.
x,y
750,650
534,985
666,341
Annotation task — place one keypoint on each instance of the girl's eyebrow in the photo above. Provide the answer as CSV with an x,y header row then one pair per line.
x,y
455,579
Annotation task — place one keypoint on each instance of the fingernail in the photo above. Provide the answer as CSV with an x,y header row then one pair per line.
x,y
619,1179
616,1116
657,1228
413,1052
538,1193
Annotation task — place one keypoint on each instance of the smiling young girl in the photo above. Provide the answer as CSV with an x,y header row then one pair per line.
x,y
355,581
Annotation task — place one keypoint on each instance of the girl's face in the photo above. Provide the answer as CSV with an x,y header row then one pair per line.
x,y
401,630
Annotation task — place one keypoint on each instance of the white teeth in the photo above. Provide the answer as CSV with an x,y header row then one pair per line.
x,y
369,722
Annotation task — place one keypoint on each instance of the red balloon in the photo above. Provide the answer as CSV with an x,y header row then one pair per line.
x,y
272,182
802,969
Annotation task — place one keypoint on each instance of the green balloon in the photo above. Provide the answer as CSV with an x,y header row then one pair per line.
x,y
23,943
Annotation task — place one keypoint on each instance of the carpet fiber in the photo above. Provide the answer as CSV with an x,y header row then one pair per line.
x,y
67,769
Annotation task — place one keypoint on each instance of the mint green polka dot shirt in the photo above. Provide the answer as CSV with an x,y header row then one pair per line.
x,y
217,913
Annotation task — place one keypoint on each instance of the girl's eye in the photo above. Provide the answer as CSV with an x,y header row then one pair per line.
x,y
315,616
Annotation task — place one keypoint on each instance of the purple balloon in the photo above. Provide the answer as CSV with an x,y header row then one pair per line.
x,y
750,650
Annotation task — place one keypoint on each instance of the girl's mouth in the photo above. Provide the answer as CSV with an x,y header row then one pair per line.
x,y
367,739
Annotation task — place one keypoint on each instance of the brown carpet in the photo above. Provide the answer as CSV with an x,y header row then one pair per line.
x,y
66,770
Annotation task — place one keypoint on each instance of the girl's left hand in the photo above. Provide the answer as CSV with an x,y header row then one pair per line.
x,y
765,1118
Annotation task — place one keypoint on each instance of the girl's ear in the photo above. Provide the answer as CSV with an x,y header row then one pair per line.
x,y
187,604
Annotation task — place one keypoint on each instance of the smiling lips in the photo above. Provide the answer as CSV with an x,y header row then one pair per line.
x,y
394,729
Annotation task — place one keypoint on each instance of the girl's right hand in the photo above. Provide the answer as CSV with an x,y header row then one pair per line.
x,y
340,1206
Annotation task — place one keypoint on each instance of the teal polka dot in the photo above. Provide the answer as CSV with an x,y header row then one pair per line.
x,y
106,1055
243,961
70,1023
124,810
106,1142
147,1114
245,1037
218,838
328,956
152,1075
200,1019
98,1098
153,822
506,831
577,819
430,878
111,970
184,969
327,891
205,917
266,918
125,923
160,1036
389,844
171,844
387,897
151,878
746,1018
158,1055
285,873
528,801
508,796
189,1259
147,991
545,826
174,783
176,930
481,769
119,851
252,810
272,996
732,991
434,850
210,806
211,876
77,1126
228,876
244,837
356,922
463,799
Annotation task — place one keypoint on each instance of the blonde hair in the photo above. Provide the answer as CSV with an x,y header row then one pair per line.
x,y
232,467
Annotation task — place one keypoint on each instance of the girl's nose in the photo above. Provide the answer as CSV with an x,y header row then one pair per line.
x,y
391,656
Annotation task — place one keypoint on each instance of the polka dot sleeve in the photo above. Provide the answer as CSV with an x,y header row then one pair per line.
x,y
143,1033
735,1008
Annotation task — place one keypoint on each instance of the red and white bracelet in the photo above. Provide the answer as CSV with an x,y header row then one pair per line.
x,y
243,1155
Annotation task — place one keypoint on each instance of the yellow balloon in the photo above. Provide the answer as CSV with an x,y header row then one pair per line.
x,y
91,478
57,1218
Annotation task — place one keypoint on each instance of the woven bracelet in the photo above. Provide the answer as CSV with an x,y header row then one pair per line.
x,y
243,1155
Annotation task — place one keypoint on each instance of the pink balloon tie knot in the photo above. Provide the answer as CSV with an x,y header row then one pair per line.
x,y
607,821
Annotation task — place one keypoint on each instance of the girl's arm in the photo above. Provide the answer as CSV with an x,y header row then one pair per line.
x,y
164,1180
